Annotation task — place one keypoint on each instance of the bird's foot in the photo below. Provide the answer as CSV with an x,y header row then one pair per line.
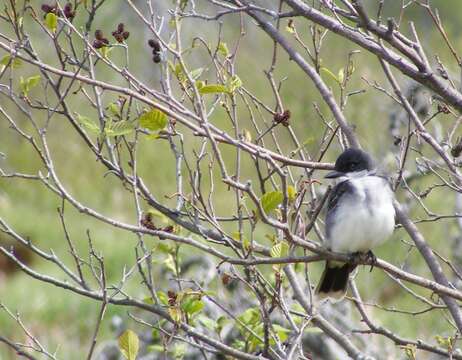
x,y
357,258
370,257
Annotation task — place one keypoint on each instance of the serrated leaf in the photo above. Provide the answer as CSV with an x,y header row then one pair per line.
x,y
51,21
280,249
276,250
223,49
213,89
87,123
291,193
153,120
129,344
271,200
119,128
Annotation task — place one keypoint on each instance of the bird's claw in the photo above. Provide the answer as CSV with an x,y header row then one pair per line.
x,y
370,257
360,257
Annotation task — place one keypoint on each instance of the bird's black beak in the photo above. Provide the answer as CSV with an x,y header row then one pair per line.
x,y
334,174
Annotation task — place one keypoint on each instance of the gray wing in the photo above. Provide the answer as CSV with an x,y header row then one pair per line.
x,y
338,193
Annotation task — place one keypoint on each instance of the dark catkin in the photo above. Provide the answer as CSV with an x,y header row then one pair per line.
x,y
282,118
120,35
67,11
457,148
157,58
154,44
100,41
98,34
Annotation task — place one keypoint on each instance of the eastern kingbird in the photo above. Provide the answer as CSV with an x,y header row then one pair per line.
x,y
360,216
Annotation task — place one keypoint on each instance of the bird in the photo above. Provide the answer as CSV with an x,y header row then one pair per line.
x,y
360,216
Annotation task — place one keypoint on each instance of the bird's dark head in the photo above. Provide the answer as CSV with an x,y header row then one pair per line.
x,y
351,161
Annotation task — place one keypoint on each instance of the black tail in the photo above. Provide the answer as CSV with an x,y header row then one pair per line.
x,y
334,280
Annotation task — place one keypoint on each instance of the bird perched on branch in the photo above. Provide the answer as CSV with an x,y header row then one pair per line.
x,y
360,216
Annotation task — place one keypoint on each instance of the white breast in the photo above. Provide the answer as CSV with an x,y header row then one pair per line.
x,y
364,220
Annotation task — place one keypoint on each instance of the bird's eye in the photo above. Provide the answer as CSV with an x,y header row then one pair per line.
x,y
353,165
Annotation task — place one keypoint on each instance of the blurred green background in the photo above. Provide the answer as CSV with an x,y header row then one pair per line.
x,y
63,321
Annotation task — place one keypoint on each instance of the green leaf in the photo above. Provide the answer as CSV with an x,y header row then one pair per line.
x,y
247,135
105,50
330,73
245,241
213,89
207,322
250,316
156,348
28,84
51,21
129,344
234,83
33,81
170,264
23,85
113,108
119,128
291,193
281,332
15,63
175,314
163,298
88,123
192,306
341,75
179,351
221,321
196,73
271,200
223,49
158,215
153,120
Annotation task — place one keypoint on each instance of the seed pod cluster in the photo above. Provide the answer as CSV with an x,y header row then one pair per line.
x,y
100,41
67,11
154,44
120,34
